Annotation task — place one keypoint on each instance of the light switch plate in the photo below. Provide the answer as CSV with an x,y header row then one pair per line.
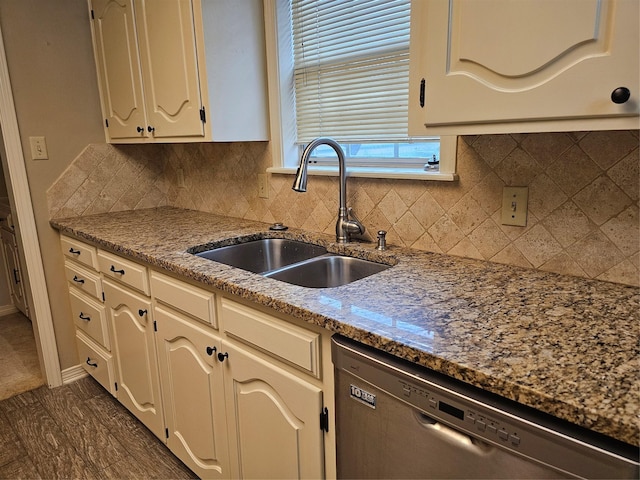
x,y
263,185
38,148
514,206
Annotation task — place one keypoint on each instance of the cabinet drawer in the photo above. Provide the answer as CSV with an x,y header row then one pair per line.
x,y
276,337
90,317
83,279
80,252
96,361
125,271
184,297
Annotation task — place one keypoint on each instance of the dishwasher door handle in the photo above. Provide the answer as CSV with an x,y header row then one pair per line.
x,y
452,434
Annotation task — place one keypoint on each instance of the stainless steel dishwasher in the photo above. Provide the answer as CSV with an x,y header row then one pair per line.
x,y
395,419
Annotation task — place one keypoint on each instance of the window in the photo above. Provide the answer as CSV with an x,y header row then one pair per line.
x,y
340,68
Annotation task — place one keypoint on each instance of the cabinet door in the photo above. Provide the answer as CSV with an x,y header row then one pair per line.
x,y
119,78
193,394
13,269
274,419
167,39
505,61
133,346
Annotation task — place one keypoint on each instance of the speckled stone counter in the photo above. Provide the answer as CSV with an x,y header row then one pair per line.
x,y
564,345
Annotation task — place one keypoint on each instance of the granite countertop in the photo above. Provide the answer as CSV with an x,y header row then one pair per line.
x,y
564,345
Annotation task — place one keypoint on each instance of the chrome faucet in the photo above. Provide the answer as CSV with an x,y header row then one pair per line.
x,y
344,226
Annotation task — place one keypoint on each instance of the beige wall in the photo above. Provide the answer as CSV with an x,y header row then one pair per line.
x,y
50,60
583,197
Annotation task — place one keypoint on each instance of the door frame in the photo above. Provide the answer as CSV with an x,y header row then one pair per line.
x,y
27,234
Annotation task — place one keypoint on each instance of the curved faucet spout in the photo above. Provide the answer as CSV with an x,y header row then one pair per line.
x,y
345,226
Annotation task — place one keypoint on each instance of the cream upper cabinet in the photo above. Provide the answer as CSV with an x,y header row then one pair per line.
x,y
180,70
500,66
118,66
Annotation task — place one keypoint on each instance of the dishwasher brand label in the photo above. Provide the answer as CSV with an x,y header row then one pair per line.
x,y
363,396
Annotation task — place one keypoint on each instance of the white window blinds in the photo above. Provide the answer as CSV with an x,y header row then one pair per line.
x,y
351,61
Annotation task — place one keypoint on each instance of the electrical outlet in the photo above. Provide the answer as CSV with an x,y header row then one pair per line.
x,y
514,206
263,185
38,148
180,178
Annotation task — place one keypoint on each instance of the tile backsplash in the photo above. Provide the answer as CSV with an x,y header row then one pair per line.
x,y
583,197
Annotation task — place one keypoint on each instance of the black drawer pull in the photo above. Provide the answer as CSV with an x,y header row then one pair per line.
x,y
91,364
78,280
113,269
84,317
74,252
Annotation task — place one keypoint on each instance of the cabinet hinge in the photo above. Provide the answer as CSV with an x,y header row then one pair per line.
x,y
103,299
116,385
155,326
92,16
324,420
166,433
106,122
422,88
203,115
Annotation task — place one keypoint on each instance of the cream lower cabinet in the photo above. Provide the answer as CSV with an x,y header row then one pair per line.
x,y
273,419
193,393
134,349
235,391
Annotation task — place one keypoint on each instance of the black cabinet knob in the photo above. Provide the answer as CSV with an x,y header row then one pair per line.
x,y
211,350
140,129
222,356
150,129
620,95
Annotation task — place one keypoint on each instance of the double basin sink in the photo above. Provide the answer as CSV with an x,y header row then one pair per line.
x,y
294,262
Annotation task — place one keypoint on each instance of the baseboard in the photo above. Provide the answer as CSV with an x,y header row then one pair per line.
x,y
71,374
8,310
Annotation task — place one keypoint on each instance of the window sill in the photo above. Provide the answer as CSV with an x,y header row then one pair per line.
x,y
372,172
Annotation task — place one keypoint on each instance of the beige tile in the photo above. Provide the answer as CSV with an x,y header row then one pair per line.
x,y
426,210
494,148
606,148
564,264
544,196
488,193
392,206
625,272
538,245
408,228
601,200
467,214
489,239
426,243
445,233
595,254
626,174
568,224
545,148
510,255
466,249
573,170
624,230
518,169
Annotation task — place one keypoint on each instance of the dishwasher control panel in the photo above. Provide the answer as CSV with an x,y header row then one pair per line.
x,y
474,421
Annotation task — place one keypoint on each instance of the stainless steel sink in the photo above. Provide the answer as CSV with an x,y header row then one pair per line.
x,y
260,256
327,271
291,261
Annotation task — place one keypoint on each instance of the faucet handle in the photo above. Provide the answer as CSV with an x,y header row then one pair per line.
x,y
356,221
382,240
